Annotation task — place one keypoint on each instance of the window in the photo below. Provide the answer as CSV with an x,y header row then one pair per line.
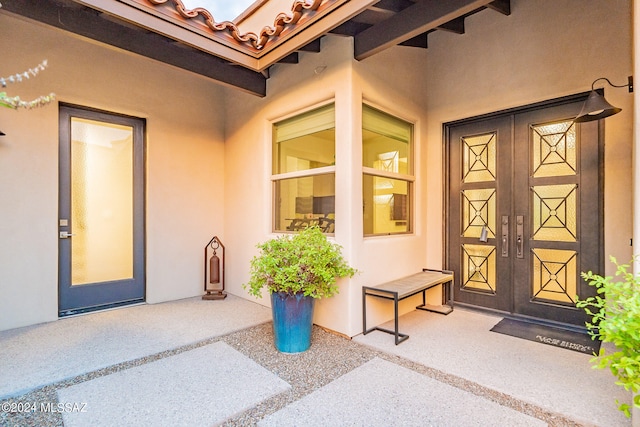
x,y
387,168
304,171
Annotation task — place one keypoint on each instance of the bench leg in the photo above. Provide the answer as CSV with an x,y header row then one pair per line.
x,y
442,309
395,317
399,337
364,312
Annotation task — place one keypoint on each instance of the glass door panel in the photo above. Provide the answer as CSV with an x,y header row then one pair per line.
x,y
561,232
101,201
525,210
479,165
101,207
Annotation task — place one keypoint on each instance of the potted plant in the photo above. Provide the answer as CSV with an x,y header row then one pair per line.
x,y
296,270
615,318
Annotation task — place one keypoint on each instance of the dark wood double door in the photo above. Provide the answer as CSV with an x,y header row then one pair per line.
x,y
525,210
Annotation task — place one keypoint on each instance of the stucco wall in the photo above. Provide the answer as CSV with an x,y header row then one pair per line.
x,y
209,148
329,75
543,50
185,167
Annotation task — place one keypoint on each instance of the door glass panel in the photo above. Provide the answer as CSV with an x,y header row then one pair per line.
x,y
479,158
478,210
554,212
101,201
555,275
554,149
479,268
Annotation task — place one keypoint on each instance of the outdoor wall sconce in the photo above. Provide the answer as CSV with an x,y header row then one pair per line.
x,y
213,271
2,133
596,107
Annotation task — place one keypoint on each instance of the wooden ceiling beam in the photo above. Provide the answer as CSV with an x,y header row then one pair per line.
x,y
393,5
502,6
417,19
313,46
292,58
454,26
70,16
417,41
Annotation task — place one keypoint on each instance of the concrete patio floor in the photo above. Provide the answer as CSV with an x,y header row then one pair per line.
x,y
201,363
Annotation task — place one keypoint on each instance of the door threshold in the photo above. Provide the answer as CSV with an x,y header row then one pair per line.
x,y
538,321
107,307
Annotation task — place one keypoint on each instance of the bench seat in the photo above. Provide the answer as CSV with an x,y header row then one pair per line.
x,y
399,289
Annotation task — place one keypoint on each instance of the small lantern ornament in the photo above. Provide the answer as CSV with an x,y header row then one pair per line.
x,y
214,270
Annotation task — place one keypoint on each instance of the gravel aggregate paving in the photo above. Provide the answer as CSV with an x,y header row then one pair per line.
x,y
330,357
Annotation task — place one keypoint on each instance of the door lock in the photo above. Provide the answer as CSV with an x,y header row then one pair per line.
x,y
65,234
505,236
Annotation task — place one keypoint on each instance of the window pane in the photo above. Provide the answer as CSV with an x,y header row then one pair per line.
x,y
386,142
386,205
300,202
305,142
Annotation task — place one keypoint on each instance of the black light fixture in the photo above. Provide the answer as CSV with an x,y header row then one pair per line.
x,y
596,107
2,133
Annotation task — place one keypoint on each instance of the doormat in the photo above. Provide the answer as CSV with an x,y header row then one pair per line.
x,y
556,337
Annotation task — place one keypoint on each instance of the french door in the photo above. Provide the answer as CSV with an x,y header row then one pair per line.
x,y
101,208
525,210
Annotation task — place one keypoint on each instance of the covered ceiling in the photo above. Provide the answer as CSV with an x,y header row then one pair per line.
x,y
193,41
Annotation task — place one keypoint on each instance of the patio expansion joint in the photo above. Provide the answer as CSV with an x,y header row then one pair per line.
x,y
305,372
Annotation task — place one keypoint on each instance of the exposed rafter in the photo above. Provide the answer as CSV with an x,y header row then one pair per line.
x,y
166,31
394,5
417,41
411,22
70,16
313,46
502,6
454,26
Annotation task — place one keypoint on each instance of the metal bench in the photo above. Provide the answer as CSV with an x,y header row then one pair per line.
x,y
397,290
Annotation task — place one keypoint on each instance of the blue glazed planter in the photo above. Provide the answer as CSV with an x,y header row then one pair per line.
x,y
292,321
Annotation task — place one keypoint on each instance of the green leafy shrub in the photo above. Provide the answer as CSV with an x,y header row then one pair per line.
x,y
615,318
302,263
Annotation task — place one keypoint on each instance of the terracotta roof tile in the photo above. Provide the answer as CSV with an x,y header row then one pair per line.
x,y
282,21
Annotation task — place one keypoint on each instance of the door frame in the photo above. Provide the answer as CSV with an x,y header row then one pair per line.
x,y
446,134
73,300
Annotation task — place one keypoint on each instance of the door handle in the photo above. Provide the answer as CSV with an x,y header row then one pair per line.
x,y
505,236
520,236
65,234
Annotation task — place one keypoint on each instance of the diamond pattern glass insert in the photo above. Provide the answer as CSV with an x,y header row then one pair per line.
x,y
555,275
554,149
554,212
478,210
479,268
479,158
